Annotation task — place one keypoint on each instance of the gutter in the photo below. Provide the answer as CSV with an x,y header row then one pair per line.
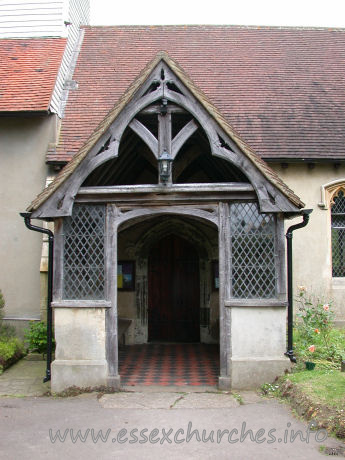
x,y
27,221
306,214
25,113
304,160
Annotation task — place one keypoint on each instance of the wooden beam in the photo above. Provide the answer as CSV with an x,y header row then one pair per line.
x,y
280,258
156,108
182,137
146,135
190,211
191,188
58,259
111,290
171,200
168,200
224,289
157,195
164,133
164,139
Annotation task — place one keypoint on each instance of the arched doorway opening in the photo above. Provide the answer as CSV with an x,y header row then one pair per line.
x,y
173,291
173,338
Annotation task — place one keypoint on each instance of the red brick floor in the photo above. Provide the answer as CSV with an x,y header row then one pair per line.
x,y
169,364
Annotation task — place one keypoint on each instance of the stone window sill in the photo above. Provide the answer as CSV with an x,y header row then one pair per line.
x,y
255,303
81,304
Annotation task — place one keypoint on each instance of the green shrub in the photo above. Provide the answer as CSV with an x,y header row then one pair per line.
x,y
11,349
315,337
36,337
5,329
321,355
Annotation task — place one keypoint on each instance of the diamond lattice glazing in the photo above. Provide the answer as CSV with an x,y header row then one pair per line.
x,y
253,255
84,253
338,235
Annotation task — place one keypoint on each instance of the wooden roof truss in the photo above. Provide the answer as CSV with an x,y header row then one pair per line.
x,y
163,94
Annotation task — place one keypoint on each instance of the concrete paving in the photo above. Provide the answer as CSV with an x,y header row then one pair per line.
x,y
148,423
168,400
25,378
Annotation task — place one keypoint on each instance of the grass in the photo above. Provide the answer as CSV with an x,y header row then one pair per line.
x,y
318,394
325,386
238,398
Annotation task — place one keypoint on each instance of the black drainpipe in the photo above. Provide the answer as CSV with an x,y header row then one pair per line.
x,y
306,214
27,220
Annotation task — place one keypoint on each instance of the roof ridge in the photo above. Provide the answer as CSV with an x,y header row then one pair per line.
x,y
216,26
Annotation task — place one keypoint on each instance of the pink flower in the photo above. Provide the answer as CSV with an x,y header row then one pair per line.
x,y
326,307
311,348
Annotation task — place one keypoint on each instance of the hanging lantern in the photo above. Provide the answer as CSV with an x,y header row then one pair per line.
x,y
165,161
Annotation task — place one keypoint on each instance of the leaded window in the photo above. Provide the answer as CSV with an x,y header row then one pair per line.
x,y
338,234
253,252
83,255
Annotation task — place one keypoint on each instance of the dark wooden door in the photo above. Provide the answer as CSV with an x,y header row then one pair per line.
x,y
173,291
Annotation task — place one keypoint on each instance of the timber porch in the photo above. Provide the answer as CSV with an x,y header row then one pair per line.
x,y
168,219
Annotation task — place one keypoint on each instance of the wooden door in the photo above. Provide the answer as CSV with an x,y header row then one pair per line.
x,y
173,291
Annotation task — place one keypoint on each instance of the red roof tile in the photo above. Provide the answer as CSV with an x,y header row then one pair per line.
x,y
282,89
28,71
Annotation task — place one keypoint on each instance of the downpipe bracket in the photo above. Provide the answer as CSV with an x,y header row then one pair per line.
x,y
291,356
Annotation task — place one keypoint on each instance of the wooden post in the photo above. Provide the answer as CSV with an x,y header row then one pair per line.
x,y
111,289
224,382
164,138
58,259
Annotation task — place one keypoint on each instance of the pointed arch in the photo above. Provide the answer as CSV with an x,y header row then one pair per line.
x,y
329,190
163,83
337,205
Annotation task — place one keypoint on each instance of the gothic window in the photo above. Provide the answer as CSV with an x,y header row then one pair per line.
x,y
338,233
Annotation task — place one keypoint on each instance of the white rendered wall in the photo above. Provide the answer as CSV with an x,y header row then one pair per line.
x,y
80,348
23,145
257,345
312,261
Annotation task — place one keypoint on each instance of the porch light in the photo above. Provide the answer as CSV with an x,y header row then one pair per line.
x,y
165,161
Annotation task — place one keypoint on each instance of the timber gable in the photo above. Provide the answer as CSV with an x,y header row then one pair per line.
x,y
164,82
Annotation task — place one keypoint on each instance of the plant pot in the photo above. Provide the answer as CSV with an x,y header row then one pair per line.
x,y
309,365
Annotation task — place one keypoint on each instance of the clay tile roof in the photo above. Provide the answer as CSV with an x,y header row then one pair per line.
x,y
28,71
282,89
68,170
